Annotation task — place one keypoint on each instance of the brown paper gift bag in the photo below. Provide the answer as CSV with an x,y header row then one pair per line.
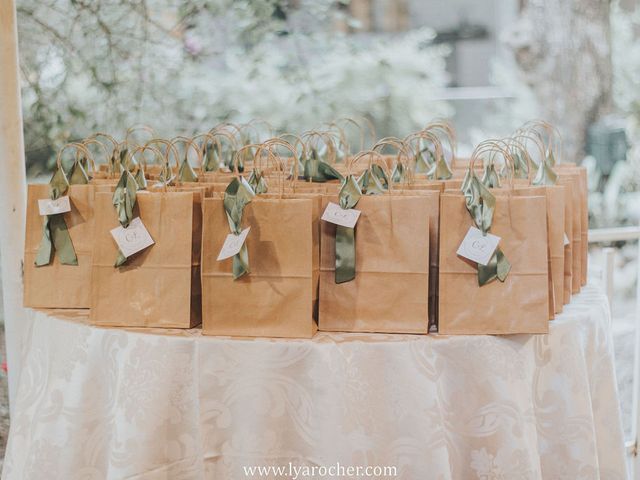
x,y
555,196
390,292
580,178
584,203
159,286
276,298
576,239
567,184
56,285
517,305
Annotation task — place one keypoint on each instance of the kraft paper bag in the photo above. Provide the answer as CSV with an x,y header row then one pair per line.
x,y
276,297
390,291
316,213
57,285
555,196
159,286
584,223
567,184
520,304
576,240
580,175
433,200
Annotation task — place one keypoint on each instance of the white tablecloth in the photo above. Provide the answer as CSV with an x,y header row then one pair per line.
x,y
100,403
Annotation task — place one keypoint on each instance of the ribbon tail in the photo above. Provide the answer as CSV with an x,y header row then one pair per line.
x,y
497,268
62,240
121,260
45,250
504,266
345,254
241,263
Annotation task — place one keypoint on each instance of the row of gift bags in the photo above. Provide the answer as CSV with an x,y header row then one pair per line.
x,y
402,262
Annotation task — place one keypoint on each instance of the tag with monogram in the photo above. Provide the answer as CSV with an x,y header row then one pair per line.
x,y
477,247
232,244
340,216
54,207
132,239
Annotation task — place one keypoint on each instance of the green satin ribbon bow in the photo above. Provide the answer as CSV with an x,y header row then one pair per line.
x,y
490,178
258,182
55,234
186,173
481,204
237,195
317,170
551,158
115,163
545,174
141,180
398,174
423,165
124,200
369,182
520,167
440,170
133,163
211,161
79,174
346,237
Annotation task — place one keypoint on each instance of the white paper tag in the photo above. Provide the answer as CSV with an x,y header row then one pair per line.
x,y
132,239
566,240
477,247
232,244
345,218
54,207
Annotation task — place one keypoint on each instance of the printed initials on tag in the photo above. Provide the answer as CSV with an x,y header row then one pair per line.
x,y
132,239
340,216
477,247
232,244
54,207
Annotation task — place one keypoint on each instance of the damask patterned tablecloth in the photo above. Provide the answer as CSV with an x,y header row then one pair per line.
x,y
98,403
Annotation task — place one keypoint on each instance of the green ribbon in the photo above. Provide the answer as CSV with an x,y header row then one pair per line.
x,y
124,200
346,237
398,174
422,165
141,180
481,205
258,182
316,170
369,183
545,174
115,163
236,196
55,234
490,178
440,170
520,166
79,173
211,160
380,174
228,161
186,173
551,158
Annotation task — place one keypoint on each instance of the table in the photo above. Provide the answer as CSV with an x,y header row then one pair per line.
x,y
96,403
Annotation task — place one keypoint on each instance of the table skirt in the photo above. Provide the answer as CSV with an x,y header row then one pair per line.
x,y
96,403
